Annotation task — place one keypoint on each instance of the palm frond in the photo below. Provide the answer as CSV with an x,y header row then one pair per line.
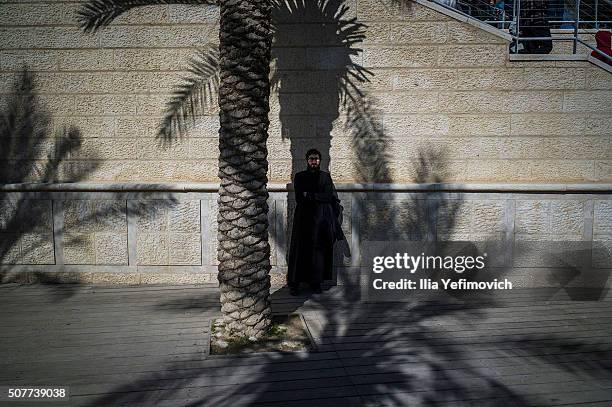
x,y
96,14
194,96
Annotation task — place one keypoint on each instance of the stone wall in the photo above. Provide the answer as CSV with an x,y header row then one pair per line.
x,y
432,82
169,237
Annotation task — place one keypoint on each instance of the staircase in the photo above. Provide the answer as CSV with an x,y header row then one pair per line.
x,y
560,29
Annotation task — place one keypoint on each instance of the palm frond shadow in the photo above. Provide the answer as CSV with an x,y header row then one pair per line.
x,y
97,14
33,153
194,97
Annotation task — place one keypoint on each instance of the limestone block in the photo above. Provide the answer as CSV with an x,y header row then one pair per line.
x,y
473,147
488,217
405,126
105,105
471,55
115,278
553,78
328,58
375,10
152,248
472,102
149,149
501,102
175,278
564,170
77,60
567,217
481,125
597,125
597,78
415,79
279,171
602,217
142,82
587,101
414,56
462,33
151,216
387,220
603,171
185,248
536,101
47,38
495,170
75,82
453,219
110,216
79,248
547,124
207,148
379,80
184,217
79,216
289,58
11,248
341,148
289,127
150,15
192,171
92,127
157,37
297,34
602,252
474,77
130,59
111,248
579,147
39,216
405,33
532,217
41,60
406,103
135,127
307,103
58,105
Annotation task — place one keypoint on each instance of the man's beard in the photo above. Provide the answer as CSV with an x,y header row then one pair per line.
x,y
314,167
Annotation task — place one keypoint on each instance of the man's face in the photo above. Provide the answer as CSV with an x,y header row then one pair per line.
x,y
314,161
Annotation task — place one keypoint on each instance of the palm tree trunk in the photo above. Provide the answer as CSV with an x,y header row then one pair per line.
x,y
244,252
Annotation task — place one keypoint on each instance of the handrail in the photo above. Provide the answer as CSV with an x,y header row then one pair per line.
x,y
512,16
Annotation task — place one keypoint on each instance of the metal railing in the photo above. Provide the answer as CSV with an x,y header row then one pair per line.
x,y
530,21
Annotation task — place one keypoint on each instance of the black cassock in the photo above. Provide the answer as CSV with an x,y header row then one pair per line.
x,y
316,226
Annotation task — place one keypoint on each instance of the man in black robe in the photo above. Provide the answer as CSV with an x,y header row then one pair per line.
x,y
316,226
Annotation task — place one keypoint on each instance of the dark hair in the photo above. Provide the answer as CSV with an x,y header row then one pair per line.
x,y
313,151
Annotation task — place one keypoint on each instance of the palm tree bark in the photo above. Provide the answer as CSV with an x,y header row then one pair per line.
x,y
244,252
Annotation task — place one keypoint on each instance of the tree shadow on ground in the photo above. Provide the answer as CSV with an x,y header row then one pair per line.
x,y
369,353
394,353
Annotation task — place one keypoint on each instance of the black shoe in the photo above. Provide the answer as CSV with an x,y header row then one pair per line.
x,y
294,291
316,288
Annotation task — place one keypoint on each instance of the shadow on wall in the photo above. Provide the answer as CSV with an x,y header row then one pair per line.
x,y
410,352
385,353
32,153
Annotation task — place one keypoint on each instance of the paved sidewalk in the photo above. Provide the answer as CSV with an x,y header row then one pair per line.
x,y
147,346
